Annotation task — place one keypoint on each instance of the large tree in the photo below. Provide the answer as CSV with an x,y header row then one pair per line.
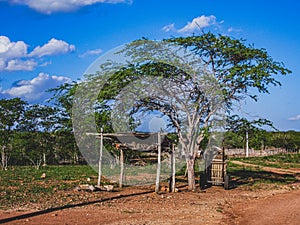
x,y
190,89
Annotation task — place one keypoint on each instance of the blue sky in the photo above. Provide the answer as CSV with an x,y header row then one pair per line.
x,y
44,43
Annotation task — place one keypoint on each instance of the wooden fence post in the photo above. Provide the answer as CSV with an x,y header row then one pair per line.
x,y
173,168
100,158
158,162
122,168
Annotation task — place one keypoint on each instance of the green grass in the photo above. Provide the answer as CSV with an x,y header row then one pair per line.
x,y
255,177
23,184
285,161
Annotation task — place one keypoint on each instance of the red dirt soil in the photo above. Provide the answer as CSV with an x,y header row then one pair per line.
x,y
134,205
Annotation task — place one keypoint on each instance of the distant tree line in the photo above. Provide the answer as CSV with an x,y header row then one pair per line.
x,y
40,134
258,138
262,139
35,135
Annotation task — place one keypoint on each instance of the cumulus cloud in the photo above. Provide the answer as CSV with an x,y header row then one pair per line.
x,y
53,47
197,23
51,6
294,118
10,49
34,90
91,52
14,55
16,64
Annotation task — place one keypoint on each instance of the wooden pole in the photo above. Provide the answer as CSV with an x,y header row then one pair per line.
x,y
122,168
173,168
247,144
100,158
158,162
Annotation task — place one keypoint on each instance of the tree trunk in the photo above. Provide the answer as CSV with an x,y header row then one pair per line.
x,y
4,159
44,159
191,174
75,158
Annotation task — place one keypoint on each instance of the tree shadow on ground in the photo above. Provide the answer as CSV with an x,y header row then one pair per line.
x,y
250,177
50,210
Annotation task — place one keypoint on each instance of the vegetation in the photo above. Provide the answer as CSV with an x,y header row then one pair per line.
x,y
34,135
38,135
232,66
261,139
23,185
255,177
28,142
284,161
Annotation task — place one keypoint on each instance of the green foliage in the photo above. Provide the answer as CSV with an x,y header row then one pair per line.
x,y
260,139
34,134
237,128
289,140
233,140
237,66
63,97
11,114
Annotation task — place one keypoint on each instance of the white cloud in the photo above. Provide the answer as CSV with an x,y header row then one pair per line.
x,y
53,47
197,23
51,6
91,52
294,118
10,49
14,56
168,28
34,90
16,64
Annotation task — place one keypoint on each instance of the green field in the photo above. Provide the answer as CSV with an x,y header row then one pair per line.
x,y
285,161
22,186
257,178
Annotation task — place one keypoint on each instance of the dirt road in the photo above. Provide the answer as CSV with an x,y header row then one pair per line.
x,y
214,206
276,210
266,204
